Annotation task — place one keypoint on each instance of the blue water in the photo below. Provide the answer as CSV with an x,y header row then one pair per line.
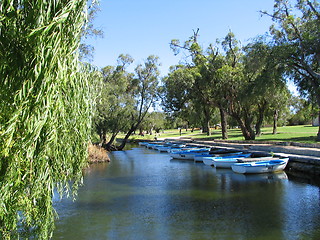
x,y
143,194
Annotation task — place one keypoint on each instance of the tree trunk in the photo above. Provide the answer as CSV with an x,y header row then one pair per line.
x,y
140,132
318,135
207,120
275,121
246,129
318,101
261,109
208,128
224,123
103,138
125,140
206,124
248,119
109,144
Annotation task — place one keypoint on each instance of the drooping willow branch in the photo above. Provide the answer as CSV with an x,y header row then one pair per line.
x,y
45,111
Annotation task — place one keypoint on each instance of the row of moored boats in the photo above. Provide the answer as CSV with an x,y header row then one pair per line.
x,y
238,161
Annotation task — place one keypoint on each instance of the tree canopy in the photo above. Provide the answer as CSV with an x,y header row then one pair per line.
x,y
296,30
125,99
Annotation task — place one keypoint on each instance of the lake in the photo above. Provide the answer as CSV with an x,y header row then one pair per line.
x,y
144,194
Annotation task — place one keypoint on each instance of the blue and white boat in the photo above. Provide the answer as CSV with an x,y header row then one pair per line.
x,y
216,153
226,160
275,165
189,154
253,157
168,148
183,149
152,145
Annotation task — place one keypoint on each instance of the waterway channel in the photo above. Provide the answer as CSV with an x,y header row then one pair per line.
x,y
144,194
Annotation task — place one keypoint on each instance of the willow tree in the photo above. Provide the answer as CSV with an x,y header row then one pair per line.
x,y
45,111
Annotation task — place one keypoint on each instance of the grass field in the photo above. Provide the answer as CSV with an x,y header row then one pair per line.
x,y
302,133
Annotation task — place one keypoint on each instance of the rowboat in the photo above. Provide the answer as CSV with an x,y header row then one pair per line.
x,y
168,148
253,157
189,154
216,153
152,145
261,167
227,161
209,160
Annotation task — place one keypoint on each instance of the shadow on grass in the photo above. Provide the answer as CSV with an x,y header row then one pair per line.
x,y
307,139
234,135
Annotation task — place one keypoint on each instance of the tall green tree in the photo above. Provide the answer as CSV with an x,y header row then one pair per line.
x,y
266,85
297,31
177,87
234,81
201,91
114,105
45,113
144,94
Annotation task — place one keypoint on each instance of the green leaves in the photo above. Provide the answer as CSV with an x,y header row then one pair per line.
x,y
45,121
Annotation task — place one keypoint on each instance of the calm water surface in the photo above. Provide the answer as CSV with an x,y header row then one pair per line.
x,y
143,194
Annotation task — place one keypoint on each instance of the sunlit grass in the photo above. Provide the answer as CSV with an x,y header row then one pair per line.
x,y
302,133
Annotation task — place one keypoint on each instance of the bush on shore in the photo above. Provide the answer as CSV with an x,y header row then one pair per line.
x,y
97,154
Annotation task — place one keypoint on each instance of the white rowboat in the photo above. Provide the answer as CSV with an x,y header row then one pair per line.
x,y
261,167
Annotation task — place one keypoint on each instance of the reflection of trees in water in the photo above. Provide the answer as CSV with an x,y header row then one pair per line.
x,y
143,191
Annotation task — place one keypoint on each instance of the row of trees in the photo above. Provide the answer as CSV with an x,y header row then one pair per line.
x,y
47,95
245,85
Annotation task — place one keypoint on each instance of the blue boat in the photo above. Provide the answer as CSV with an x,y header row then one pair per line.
x,y
227,158
216,153
189,154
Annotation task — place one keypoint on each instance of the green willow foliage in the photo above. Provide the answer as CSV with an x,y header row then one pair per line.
x,y
45,113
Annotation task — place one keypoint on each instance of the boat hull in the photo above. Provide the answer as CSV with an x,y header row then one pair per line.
x,y
260,167
224,163
228,161
208,161
188,155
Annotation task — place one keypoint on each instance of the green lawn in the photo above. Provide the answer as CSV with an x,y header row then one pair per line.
x,y
304,134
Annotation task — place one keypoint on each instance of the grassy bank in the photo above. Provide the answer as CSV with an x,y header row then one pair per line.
x,y
302,134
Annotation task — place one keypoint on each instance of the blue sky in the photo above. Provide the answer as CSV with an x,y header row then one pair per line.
x,y
145,27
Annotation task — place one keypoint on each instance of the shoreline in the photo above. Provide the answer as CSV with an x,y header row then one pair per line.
x,y
304,159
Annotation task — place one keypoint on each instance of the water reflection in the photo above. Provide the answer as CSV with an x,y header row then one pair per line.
x,y
143,194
